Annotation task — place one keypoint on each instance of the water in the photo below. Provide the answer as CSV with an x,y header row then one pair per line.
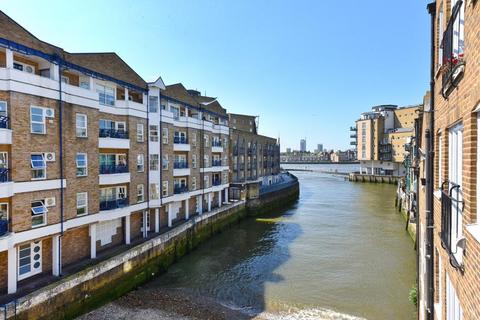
x,y
340,253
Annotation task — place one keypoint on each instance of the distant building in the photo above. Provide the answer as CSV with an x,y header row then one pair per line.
x,y
289,150
303,145
319,148
380,137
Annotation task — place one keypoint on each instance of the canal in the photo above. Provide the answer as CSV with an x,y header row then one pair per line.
x,y
341,252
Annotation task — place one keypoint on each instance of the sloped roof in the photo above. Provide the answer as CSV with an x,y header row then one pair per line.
x,y
11,30
178,92
108,63
211,104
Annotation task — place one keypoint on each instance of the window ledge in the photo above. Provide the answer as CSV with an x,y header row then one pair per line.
x,y
437,194
474,230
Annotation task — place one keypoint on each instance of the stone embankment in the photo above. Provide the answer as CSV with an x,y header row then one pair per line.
x,y
110,279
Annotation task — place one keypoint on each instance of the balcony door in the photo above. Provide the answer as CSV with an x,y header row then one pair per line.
x,y
455,161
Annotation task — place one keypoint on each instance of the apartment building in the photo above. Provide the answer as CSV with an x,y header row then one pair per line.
x,y
255,158
381,135
93,158
449,260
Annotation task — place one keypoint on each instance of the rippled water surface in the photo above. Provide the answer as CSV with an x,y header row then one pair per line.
x,y
340,252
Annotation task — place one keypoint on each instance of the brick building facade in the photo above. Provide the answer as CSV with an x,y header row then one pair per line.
x,y
93,157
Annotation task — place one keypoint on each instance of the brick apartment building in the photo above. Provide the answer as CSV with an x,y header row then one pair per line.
x,y
93,157
380,137
449,259
255,158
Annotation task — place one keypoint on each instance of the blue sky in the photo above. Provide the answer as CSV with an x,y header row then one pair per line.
x,y
307,68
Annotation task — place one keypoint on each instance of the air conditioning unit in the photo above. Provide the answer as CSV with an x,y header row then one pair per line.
x,y
50,156
49,202
29,69
49,113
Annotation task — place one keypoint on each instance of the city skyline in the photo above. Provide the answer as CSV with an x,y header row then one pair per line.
x,y
264,82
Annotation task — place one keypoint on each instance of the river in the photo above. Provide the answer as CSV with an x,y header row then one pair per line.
x,y
341,252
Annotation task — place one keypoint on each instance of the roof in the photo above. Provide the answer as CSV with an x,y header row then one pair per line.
x,y
238,115
178,92
211,104
108,63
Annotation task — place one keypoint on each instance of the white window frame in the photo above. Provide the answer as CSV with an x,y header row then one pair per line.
x,y
141,188
155,105
165,162
154,162
455,175
140,132
44,213
164,188
102,88
81,132
153,132
84,205
165,135
5,105
194,183
440,155
453,308
43,123
194,139
44,168
206,179
194,161
154,191
140,163
81,166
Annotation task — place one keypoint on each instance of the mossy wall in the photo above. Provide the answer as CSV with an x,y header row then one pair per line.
x,y
141,268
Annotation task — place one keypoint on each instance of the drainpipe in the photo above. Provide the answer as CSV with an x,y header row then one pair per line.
x,y
202,158
147,130
60,135
160,160
429,173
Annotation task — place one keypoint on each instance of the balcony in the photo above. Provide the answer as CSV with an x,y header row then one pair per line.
x,y
180,144
180,189
180,168
3,227
113,168
451,225
113,133
353,128
113,139
217,146
180,165
216,143
353,136
113,174
353,143
5,132
216,163
453,64
385,157
113,204
216,182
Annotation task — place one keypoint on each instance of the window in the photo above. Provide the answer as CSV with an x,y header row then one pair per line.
x,y
29,259
140,163
154,191
206,138
458,30
205,181
140,132
82,203
440,36
81,124
37,120
453,307
23,67
106,95
39,166
3,109
140,193
194,183
164,188
455,161
84,82
153,104
165,135
81,164
154,162
194,161
154,133
39,213
4,211
165,162
194,139
205,161
440,141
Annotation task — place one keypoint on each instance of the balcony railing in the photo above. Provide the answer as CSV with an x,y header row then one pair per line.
x,y
216,143
4,122
113,168
216,163
113,204
180,140
385,157
385,148
452,211
353,143
452,60
113,133
180,189
180,165
216,182
3,226
4,175
353,128
353,136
